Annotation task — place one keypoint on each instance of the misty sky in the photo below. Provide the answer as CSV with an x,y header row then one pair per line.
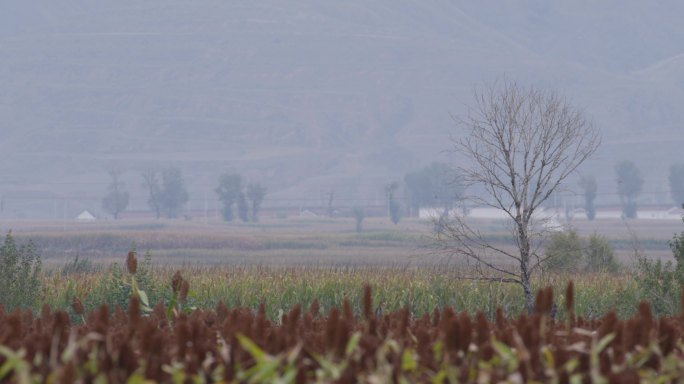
x,y
312,96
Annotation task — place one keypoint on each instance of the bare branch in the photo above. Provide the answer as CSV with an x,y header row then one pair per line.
x,y
521,144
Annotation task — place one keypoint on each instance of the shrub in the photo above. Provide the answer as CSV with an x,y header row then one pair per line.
x,y
564,251
677,247
78,265
122,283
567,251
599,255
659,284
19,274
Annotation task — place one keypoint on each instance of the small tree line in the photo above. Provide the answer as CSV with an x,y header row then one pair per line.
x,y
630,184
437,185
234,194
440,186
167,194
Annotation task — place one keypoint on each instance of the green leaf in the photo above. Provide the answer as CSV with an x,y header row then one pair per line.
x,y
549,361
503,350
440,377
576,379
138,378
257,353
408,361
14,359
143,298
172,305
288,377
264,372
604,342
437,350
352,344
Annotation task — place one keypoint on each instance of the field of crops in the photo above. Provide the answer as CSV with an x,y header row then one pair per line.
x,y
90,319
297,241
280,288
172,343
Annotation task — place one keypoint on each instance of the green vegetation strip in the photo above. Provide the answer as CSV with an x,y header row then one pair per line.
x,y
280,288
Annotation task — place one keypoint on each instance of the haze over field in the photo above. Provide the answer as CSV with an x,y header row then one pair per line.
x,y
310,96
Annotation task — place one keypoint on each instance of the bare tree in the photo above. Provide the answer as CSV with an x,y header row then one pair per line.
x,y
256,194
590,187
167,192
520,146
151,182
116,199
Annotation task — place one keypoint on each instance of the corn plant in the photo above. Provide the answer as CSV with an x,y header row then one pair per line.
x,y
20,268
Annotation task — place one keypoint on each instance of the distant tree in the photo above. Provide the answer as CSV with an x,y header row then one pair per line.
x,y
243,207
436,185
151,183
359,215
116,199
629,184
676,179
589,186
174,195
393,207
331,197
256,194
229,192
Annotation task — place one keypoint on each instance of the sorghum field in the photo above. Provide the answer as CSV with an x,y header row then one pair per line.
x,y
172,342
145,318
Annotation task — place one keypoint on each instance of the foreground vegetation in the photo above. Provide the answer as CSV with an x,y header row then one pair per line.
x,y
419,290
309,344
29,284
280,288
135,321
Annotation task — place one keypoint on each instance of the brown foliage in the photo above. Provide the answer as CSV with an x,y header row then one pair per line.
x,y
122,343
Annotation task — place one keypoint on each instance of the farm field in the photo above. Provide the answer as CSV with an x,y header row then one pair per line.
x,y
296,261
298,241
337,344
376,306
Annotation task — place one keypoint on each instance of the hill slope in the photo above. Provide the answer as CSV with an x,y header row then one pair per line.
x,y
308,96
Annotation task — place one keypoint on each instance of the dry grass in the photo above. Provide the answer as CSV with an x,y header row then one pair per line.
x,y
296,241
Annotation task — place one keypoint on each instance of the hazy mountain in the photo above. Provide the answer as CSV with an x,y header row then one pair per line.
x,y
309,96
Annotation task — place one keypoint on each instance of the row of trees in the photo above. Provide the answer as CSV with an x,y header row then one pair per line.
x,y
166,189
438,185
629,187
167,194
234,194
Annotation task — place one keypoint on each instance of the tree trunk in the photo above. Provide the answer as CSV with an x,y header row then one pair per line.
x,y
527,290
524,243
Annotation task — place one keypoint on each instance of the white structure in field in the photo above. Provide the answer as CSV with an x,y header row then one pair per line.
x,y
559,215
86,216
550,220
673,213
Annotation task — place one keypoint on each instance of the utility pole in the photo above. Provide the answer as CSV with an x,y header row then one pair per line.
x,y
64,214
205,207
